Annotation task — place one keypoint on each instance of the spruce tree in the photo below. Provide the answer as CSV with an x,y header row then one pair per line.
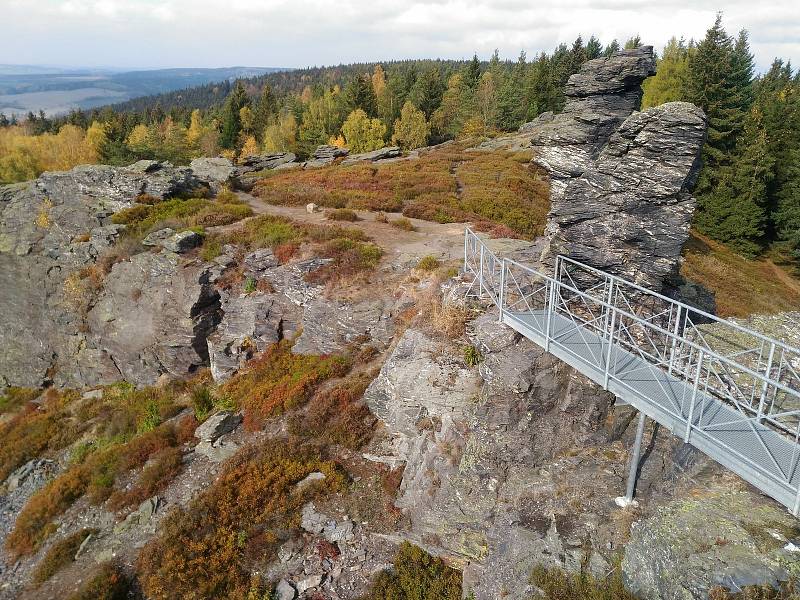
x,y
231,116
735,211
265,111
472,73
593,48
359,94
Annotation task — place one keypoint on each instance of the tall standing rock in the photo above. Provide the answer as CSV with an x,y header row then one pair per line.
x,y
629,212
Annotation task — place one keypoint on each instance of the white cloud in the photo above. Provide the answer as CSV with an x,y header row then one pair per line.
x,y
156,33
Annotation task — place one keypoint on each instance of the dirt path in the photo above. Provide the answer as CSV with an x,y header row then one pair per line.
x,y
444,241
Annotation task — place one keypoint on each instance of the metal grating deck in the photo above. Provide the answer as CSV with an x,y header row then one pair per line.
x,y
739,446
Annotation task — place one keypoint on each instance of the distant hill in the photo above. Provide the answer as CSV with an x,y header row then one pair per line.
x,y
26,88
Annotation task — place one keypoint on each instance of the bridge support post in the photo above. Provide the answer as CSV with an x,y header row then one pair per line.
x,y
627,500
480,275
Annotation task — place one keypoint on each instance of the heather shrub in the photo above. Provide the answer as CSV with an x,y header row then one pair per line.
x,y
14,397
60,554
227,196
428,263
416,576
208,549
162,468
106,582
143,218
560,585
337,415
280,380
341,214
404,224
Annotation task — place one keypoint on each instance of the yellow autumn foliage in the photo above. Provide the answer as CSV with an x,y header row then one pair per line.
x,y
24,156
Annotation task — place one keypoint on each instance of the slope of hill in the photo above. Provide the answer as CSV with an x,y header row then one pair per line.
x,y
24,89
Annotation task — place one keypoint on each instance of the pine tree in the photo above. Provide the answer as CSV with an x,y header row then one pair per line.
x,y
611,48
359,94
472,72
231,116
634,42
594,49
266,109
427,91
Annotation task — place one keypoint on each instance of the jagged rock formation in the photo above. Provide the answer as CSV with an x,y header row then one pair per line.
x,y
374,156
629,211
219,171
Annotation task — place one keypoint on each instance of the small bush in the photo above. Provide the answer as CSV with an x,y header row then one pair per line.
x,y
148,199
285,252
60,554
140,219
428,263
404,224
107,582
14,397
227,196
166,464
560,585
210,548
250,285
416,576
341,214
212,248
472,356
381,218
202,402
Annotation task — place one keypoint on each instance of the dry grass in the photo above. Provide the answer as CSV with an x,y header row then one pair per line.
x,y
742,286
59,555
447,185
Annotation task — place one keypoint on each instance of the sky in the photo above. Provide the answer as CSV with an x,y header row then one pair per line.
x,y
136,34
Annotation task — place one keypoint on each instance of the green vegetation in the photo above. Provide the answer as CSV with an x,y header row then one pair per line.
x,y
208,548
341,214
472,356
13,398
131,431
428,263
403,223
560,585
748,188
180,214
742,286
60,554
416,576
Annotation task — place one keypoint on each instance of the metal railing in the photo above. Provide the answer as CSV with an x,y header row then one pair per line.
x,y
692,361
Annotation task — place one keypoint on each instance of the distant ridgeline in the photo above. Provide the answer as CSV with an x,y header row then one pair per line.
x,y
748,191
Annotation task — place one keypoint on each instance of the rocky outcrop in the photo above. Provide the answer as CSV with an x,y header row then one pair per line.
x,y
374,156
629,211
153,317
219,171
719,539
325,155
598,99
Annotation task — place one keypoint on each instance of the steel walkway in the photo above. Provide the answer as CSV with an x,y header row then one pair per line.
x,y
732,393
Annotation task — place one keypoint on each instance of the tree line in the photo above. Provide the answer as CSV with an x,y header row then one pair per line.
x,y
748,190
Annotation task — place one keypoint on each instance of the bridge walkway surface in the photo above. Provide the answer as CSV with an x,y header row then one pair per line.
x,y
730,392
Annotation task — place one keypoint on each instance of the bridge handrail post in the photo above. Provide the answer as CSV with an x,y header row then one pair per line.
x,y
466,249
502,294
607,373
767,379
480,273
695,387
674,339
551,298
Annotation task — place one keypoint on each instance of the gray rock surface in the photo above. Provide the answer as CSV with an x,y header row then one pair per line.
x,y
217,425
325,155
629,212
219,171
375,155
329,325
153,316
216,170
179,242
722,538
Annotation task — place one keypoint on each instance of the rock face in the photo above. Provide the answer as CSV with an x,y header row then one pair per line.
x,y
154,315
49,229
375,155
599,98
219,171
629,212
724,538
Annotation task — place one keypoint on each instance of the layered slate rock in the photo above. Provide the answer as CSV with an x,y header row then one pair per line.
x,y
629,212
599,98
219,171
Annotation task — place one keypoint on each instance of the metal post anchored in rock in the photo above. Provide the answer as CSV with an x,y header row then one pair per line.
x,y
627,500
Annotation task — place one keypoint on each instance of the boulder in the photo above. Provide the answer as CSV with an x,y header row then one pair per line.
x,y
375,155
285,590
217,425
721,538
215,170
325,155
217,451
263,162
183,241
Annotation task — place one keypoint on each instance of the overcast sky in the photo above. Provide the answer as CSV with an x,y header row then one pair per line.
x,y
297,33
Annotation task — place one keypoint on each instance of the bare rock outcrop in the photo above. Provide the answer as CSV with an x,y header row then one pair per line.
x,y
629,212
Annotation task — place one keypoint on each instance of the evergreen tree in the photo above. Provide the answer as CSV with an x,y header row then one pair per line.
x,y
594,49
427,92
231,116
670,81
611,48
472,72
634,42
266,109
712,87
359,94
735,212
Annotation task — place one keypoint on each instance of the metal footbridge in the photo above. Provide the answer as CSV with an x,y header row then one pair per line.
x,y
730,392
